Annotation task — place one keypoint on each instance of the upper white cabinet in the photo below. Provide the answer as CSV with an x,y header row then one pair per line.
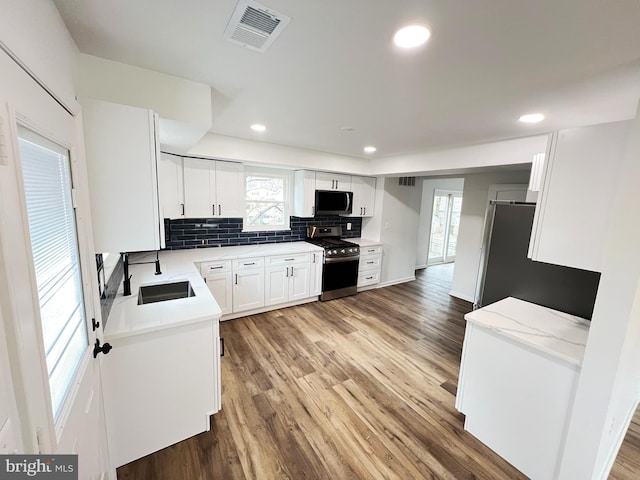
x,y
364,194
333,181
306,182
171,184
574,203
212,188
122,150
304,193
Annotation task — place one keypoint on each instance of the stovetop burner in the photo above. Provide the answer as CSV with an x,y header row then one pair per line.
x,y
329,239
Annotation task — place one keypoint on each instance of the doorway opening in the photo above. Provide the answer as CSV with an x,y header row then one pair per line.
x,y
445,225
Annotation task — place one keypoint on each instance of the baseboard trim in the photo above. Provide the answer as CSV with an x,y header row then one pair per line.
x,y
396,282
462,296
246,313
422,266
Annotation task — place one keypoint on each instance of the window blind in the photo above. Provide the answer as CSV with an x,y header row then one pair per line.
x,y
47,184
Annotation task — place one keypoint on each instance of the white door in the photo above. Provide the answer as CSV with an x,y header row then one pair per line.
x,y
229,190
445,223
276,285
48,282
248,289
220,286
299,281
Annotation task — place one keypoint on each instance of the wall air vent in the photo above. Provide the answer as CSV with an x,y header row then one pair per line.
x,y
255,26
407,181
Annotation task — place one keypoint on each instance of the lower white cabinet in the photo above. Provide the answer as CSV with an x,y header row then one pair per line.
x,y
219,278
287,278
315,274
370,266
248,284
160,388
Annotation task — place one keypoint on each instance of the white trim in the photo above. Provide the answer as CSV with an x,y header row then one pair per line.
x,y
615,446
246,313
397,281
462,296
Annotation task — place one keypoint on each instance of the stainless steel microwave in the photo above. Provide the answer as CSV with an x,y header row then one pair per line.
x,y
333,202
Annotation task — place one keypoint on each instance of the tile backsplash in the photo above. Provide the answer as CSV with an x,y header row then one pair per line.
x,y
221,232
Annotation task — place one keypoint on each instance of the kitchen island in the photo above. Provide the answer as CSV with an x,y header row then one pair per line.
x,y
518,375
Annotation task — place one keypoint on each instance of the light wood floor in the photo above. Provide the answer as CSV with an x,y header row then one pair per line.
x,y
361,387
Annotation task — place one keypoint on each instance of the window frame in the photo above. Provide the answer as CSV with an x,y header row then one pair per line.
x,y
287,176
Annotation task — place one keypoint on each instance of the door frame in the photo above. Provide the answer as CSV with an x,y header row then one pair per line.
x,y
444,258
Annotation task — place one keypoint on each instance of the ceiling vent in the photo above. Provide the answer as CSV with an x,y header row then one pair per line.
x,y
255,26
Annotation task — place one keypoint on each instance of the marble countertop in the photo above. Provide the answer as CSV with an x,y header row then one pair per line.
x,y
127,318
363,242
556,333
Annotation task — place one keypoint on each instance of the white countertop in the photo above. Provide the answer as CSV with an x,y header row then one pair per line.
x,y
363,242
127,318
556,333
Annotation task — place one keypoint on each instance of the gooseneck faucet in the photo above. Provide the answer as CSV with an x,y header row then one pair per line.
x,y
126,284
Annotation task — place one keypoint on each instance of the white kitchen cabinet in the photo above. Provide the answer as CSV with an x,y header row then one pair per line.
x,y
171,186
160,388
121,145
518,375
219,278
370,266
304,193
364,194
287,278
333,181
213,188
248,284
315,274
579,184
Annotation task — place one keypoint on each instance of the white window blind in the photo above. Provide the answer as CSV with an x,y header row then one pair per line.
x,y
47,184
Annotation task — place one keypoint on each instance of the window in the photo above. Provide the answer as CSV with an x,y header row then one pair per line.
x,y
267,200
47,184
445,222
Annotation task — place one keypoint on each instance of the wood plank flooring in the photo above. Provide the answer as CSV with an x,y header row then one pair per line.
x,y
361,387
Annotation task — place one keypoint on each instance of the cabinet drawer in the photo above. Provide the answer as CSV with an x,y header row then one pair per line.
x,y
368,278
215,267
244,263
375,250
288,259
369,263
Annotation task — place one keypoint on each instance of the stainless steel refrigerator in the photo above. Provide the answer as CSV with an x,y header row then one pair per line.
x,y
505,270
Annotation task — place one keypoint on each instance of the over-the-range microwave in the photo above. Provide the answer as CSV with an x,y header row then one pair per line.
x,y
333,202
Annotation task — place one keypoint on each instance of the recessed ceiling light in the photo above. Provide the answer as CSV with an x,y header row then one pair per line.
x,y
411,36
532,118
257,127
369,149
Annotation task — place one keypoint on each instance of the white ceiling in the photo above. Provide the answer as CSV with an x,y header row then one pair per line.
x,y
487,62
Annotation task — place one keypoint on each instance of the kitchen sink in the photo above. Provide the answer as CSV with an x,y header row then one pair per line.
x,y
164,291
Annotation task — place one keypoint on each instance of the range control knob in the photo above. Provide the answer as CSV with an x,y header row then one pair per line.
x,y
334,252
343,251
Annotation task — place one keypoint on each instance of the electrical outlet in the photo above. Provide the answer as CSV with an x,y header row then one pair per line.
x,y
349,226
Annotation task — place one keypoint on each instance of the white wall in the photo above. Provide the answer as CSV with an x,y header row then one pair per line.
x,y
457,161
474,204
429,186
184,106
397,228
35,33
609,384
237,149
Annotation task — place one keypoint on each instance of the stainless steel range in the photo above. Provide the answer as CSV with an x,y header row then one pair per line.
x,y
341,260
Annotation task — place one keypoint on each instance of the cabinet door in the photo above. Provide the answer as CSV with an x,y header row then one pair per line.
x,y
315,275
229,189
220,285
574,203
332,181
304,193
276,285
122,156
248,289
199,174
171,186
299,281
364,192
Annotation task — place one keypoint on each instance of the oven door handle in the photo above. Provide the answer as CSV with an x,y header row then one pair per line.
x,y
354,258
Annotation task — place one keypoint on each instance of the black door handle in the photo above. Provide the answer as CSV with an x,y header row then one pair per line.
x,y
222,345
106,348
